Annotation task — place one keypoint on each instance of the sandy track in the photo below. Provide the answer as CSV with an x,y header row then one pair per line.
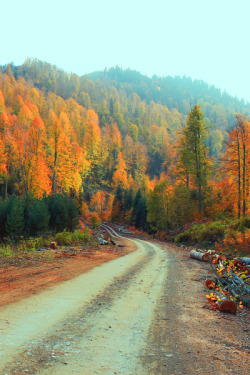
x,y
96,323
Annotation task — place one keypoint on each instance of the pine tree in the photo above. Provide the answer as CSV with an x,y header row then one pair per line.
x,y
15,219
194,153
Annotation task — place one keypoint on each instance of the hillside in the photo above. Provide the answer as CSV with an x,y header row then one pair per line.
x,y
87,136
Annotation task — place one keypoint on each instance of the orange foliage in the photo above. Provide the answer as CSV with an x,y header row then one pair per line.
x,y
120,176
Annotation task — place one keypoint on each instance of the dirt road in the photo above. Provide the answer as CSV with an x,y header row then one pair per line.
x,y
133,315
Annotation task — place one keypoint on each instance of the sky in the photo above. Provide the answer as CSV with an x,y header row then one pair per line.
x,y
201,39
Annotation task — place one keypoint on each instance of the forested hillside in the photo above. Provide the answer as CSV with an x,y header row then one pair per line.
x,y
122,144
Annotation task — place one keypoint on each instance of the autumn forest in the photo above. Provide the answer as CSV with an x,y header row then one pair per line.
x,y
156,153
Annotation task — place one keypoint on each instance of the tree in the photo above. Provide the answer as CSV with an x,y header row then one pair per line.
x,y
158,206
139,213
118,203
194,153
237,160
2,102
15,218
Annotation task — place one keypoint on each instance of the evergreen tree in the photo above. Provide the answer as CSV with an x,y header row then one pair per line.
x,y
118,204
3,217
139,214
15,219
194,153
38,217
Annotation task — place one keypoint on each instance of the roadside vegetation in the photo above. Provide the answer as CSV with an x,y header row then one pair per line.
x,y
228,236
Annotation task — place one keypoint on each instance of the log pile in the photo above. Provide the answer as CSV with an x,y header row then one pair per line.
x,y
230,281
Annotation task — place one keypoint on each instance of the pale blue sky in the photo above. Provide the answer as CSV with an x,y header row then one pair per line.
x,y
203,39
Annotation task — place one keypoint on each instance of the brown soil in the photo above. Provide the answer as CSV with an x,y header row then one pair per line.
x,y
24,276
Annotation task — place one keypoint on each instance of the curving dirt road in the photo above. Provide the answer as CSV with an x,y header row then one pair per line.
x,y
96,323
132,315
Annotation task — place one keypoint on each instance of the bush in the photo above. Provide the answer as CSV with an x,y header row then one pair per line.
x,y
204,234
241,224
6,251
69,238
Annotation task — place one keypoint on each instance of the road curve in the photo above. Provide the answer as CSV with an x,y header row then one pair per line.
x,y
96,323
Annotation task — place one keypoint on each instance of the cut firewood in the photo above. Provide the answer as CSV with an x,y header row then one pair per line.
x,y
246,301
102,241
211,283
227,305
245,260
199,256
239,282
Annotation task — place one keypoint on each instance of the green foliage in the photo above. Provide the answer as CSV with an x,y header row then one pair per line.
x,y
3,217
6,251
15,218
194,153
139,213
158,207
28,216
95,220
63,212
72,238
203,234
38,217
241,225
183,206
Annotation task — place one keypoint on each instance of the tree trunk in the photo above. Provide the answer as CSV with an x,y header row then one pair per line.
x,y
244,176
239,176
54,174
6,182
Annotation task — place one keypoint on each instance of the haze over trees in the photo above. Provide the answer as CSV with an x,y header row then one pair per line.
x,y
153,152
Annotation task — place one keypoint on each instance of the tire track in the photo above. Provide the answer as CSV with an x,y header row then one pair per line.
x,y
52,349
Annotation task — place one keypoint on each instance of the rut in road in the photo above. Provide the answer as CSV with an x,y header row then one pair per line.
x,y
104,334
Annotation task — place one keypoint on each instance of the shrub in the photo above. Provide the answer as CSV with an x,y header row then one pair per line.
x,y
6,251
69,238
204,234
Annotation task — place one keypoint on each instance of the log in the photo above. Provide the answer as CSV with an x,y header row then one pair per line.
x,y
211,283
226,305
245,260
102,241
246,301
239,282
199,256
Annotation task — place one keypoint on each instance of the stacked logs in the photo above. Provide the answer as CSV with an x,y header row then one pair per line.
x,y
230,281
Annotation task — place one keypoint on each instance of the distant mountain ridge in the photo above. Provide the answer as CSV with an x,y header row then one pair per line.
x,y
180,87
